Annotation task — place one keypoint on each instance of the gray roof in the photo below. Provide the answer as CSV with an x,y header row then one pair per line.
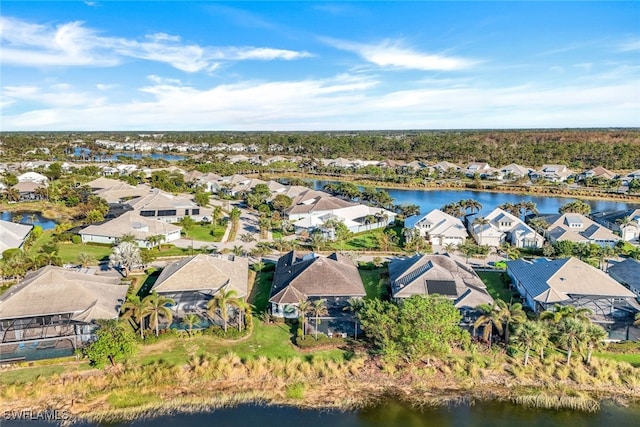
x,y
627,272
131,223
298,277
551,281
12,235
56,290
438,274
314,201
205,273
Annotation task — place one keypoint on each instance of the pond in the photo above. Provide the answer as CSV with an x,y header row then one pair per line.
x,y
435,199
29,218
388,414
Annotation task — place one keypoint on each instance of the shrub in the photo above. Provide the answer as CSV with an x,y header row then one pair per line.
x,y
295,391
76,239
10,253
310,342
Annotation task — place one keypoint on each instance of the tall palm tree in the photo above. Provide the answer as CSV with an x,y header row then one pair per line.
x,y
135,308
480,222
511,314
488,320
189,320
530,336
605,253
570,335
156,306
594,337
539,224
318,308
304,306
353,305
221,302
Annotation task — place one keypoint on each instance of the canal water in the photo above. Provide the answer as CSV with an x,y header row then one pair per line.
x,y
389,414
435,199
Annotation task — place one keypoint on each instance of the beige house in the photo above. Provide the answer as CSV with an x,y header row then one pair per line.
x,y
168,207
130,223
578,228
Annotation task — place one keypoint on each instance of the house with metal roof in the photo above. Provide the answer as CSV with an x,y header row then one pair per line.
x,y
56,307
626,222
570,281
438,275
501,226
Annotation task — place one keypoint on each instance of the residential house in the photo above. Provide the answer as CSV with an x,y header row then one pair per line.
x,y
438,275
56,308
356,218
569,281
445,166
578,228
130,223
501,227
627,223
481,169
13,235
627,273
33,177
210,181
168,207
31,190
193,281
553,173
438,227
598,173
121,191
515,171
314,202
630,177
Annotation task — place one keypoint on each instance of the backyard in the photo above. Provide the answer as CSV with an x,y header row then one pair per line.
x,y
497,287
376,282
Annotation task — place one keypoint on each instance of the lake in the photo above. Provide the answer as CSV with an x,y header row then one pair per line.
x,y
38,219
435,199
78,152
390,414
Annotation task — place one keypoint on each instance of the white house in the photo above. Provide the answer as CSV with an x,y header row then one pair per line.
x,y
503,227
33,177
438,227
553,173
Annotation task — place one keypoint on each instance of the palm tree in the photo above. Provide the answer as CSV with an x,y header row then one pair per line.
x,y
304,306
17,218
189,320
511,314
237,250
511,208
33,218
604,254
561,312
155,240
135,308
156,306
539,224
12,194
318,308
570,335
489,319
353,305
85,259
594,337
50,258
450,248
480,222
530,335
221,301
472,204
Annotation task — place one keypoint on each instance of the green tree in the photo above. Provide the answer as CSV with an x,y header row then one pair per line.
x,y
85,259
530,336
561,312
187,223
201,198
594,337
113,341
318,308
221,302
134,308
577,206
281,202
190,320
570,335
155,307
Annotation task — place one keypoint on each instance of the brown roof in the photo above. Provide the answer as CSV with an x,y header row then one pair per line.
x,y
207,273
131,223
300,276
56,290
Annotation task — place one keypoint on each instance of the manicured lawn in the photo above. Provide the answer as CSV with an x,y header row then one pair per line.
x,y
497,288
632,359
206,233
375,282
261,288
27,375
69,252
368,240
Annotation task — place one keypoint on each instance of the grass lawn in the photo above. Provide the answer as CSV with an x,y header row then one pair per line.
x,y
69,252
277,234
206,233
28,374
632,359
375,282
272,340
496,286
368,240
261,289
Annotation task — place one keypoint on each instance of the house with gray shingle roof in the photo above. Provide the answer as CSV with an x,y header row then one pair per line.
x,y
13,235
299,277
193,281
627,272
577,228
438,274
141,228
54,304
626,222
438,227
569,281
167,207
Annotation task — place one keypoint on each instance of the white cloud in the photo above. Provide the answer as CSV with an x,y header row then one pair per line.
x,y
393,54
341,102
630,45
72,44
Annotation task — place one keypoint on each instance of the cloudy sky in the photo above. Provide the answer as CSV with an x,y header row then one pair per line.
x,y
174,65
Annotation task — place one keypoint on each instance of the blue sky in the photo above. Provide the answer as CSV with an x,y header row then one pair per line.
x,y
173,65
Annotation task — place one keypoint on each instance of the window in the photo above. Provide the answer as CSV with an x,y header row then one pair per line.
x,y
167,212
186,211
195,212
147,213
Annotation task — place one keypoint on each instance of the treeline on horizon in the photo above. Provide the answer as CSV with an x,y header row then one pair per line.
x,y
615,149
